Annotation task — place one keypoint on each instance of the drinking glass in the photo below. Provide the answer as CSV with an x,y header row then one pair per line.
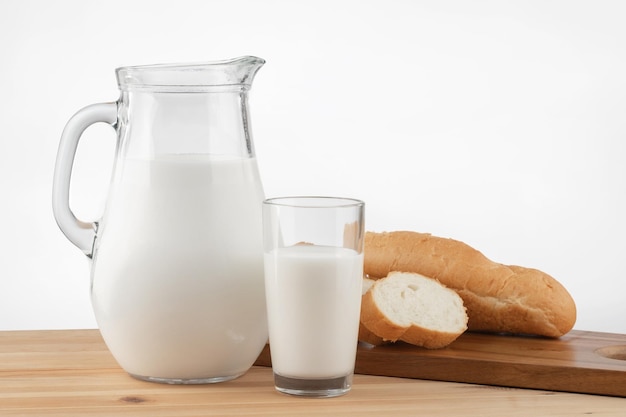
x,y
313,256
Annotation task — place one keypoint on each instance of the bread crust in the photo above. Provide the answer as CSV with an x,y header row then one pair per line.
x,y
376,322
430,339
365,335
499,298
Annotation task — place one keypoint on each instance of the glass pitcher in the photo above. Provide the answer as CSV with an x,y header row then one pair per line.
x,y
177,257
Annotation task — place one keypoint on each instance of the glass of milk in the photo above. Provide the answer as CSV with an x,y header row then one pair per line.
x,y
313,256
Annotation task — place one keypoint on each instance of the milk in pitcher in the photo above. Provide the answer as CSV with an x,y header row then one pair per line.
x,y
178,268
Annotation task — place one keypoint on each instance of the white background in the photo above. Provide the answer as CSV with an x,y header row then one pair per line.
x,y
499,123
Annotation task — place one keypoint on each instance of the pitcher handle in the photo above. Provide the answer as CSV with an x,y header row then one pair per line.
x,y
80,233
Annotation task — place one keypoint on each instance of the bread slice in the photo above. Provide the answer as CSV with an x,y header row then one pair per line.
x,y
415,309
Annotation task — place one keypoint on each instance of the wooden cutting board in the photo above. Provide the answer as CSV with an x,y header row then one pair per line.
x,y
580,361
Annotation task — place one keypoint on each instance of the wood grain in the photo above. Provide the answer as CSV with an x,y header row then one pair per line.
x,y
582,362
71,373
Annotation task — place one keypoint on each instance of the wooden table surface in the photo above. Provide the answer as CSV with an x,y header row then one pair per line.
x,y
71,373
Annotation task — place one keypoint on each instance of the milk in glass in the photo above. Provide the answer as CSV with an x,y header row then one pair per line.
x,y
314,301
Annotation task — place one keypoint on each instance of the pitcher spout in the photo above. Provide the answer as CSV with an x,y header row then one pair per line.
x,y
246,68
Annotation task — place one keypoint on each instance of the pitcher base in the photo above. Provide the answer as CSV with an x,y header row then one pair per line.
x,y
186,381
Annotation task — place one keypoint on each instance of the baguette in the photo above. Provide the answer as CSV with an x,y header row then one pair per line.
x,y
498,298
413,308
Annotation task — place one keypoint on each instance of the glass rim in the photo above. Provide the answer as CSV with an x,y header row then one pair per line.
x,y
234,74
314,202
